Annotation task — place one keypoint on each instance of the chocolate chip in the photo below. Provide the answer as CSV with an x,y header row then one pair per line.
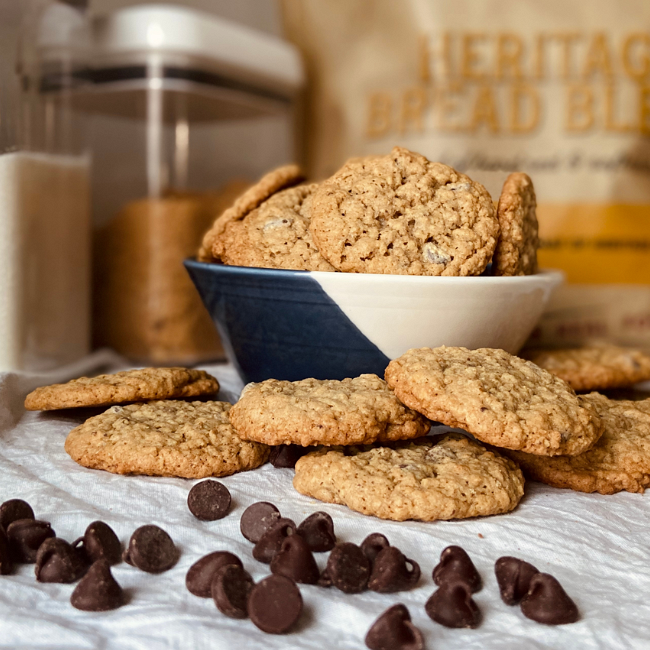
x,y
513,576
98,591
151,549
286,456
13,510
547,602
231,588
348,568
257,519
393,630
100,542
199,578
271,542
25,536
373,544
209,500
58,561
391,573
455,565
275,604
452,606
325,580
294,560
6,563
318,531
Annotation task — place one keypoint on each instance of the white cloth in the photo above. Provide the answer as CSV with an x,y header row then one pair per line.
x,y
597,546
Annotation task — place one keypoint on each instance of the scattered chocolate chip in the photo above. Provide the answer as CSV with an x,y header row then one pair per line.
x,y
452,606
455,565
151,549
271,542
391,573
373,544
6,564
25,536
98,591
199,578
275,604
393,630
294,560
348,568
257,519
209,500
58,561
286,456
547,602
324,581
318,531
513,576
100,542
13,510
231,588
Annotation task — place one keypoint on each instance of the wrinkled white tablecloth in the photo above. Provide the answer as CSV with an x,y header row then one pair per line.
x,y
597,546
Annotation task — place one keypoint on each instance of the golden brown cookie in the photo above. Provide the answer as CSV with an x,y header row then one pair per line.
x,y
166,438
516,251
275,235
596,368
324,412
445,477
500,399
276,180
121,387
403,214
620,460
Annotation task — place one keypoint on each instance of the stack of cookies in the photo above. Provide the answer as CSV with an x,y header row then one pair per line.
x,y
396,214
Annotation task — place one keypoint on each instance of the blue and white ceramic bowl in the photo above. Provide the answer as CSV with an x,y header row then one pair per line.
x,y
296,324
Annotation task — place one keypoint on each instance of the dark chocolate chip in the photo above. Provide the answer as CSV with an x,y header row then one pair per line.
x,y
318,531
231,588
13,510
393,630
199,578
455,565
275,604
100,542
452,606
271,542
513,576
257,519
6,563
373,544
58,561
348,568
324,580
547,602
98,591
294,560
391,573
209,500
25,537
151,549
286,456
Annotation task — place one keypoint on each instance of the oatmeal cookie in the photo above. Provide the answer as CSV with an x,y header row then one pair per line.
x,y
166,438
403,214
121,387
500,399
324,412
445,477
516,251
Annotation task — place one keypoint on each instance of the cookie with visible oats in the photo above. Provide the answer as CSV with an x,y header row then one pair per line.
x,y
121,387
166,438
516,251
276,180
275,235
446,477
620,460
595,368
499,398
403,214
324,412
